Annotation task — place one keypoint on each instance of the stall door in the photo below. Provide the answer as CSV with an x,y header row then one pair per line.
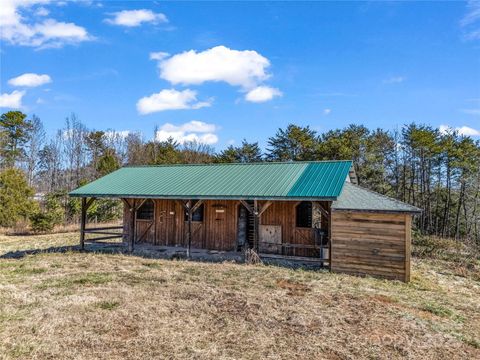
x,y
166,211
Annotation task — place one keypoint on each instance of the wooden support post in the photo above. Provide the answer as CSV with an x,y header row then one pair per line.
x,y
256,225
83,220
256,212
330,237
408,245
133,219
190,212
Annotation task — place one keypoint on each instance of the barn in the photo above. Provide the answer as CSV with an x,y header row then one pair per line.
x,y
299,211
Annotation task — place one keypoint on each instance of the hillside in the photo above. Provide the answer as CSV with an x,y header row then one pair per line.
x,y
111,306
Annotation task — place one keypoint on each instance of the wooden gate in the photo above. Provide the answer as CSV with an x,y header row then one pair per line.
x,y
303,243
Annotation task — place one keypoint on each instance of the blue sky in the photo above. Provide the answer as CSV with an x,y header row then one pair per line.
x,y
220,72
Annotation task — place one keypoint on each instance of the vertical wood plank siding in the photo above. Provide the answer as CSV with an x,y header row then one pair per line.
x,y
218,231
362,243
376,244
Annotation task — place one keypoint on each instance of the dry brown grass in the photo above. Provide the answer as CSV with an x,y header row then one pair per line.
x,y
76,305
23,228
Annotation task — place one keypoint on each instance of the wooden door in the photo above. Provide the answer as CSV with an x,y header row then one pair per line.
x,y
145,231
270,241
166,212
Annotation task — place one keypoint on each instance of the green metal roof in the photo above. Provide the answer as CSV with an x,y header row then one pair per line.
x,y
356,198
289,180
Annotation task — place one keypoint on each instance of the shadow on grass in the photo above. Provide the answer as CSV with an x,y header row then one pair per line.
x,y
159,252
18,254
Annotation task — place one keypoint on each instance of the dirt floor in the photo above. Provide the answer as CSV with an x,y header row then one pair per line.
x,y
59,303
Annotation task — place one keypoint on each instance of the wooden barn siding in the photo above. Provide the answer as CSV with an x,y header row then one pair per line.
x,y
283,213
218,231
376,244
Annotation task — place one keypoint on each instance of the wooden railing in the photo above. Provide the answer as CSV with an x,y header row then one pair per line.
x,y
107,230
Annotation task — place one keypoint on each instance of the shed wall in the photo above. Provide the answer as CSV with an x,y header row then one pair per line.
x,y
216,232
376,244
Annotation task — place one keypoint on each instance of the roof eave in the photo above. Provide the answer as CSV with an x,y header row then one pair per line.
x,y
200,197
388,211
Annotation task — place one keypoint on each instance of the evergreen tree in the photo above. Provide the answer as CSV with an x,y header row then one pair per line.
x,y
15,132
295,143
15,197
246,153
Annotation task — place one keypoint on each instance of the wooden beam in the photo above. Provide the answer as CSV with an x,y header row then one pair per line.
x,y
106,228
197,205
83,220
126,202
330,237
189,240
140,204
247,206
322,209
184,204
256,225
105,238
265,206
408,244
89,202
133,219
101,232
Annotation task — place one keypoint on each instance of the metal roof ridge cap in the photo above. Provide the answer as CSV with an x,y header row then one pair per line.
x,y
234,163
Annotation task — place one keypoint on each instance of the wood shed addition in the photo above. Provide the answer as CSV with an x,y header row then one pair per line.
x,y
307,211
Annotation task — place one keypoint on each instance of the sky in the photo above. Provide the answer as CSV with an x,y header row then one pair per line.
x,y
219,72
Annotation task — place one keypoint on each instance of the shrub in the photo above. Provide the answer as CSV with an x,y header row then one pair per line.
x,y
15,197
42,222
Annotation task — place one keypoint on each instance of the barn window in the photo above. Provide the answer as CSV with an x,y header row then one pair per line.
x,y
304,214
145,212
197,215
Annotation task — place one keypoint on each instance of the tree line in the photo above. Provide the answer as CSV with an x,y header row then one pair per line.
x,y
437,171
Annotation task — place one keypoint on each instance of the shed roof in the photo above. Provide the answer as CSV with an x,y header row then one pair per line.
x,y
321,180
356,198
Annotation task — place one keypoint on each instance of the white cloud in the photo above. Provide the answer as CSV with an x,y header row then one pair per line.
x,y
471,111
17,28
30,80
463,130
197,131
394,80
159,55
133,18
12,100
41,11
170,99
473,13
327,111
262,94
470,23
238,68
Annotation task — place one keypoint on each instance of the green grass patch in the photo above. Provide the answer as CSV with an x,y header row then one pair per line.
x,y
88,279
23,270
107,305
437,309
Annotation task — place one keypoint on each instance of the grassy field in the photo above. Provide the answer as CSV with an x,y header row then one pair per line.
x,y
73,305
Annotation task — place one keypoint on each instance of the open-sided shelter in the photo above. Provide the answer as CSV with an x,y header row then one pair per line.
x,y
308,211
